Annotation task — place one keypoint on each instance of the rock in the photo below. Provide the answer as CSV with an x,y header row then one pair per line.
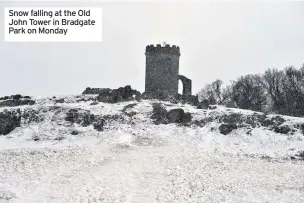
x,y
89,90
187,117
231,118
282,129
85,118
118,95
74,132
16,102
9,120
80,116
59,101
159,114
94,103
30,116
203,104
178,116
16,97
225,129
175,115
277,120
98,124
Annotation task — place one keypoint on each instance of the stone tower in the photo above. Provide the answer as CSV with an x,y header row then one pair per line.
x,y
162,70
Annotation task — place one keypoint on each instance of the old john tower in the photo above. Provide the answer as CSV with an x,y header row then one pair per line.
x,y
162,71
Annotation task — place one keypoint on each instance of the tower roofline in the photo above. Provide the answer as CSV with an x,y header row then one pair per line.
x,y
151,49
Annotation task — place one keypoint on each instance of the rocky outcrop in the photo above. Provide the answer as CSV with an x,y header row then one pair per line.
x,y
162,116
225,129
85,118
16,102
15,97
89,90
119,95
178,116
9,120
282,129
159,114
31,116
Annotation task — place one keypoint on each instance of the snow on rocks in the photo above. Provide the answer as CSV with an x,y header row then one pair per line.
x,y
56,155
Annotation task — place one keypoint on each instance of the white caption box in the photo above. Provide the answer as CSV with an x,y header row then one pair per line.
x,y
36,24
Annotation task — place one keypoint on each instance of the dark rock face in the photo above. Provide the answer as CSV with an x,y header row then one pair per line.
x,y
9,120
282,129
225,129
203,104
178,116
15,97
161,116
16,102
118,95
89,90
85,118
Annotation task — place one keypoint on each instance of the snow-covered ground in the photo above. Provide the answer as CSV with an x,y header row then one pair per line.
x,y
138,161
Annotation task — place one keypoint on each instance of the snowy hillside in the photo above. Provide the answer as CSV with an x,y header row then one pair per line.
x,y
74,149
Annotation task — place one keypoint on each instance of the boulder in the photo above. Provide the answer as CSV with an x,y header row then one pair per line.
x,y
159,114
178,116
282,129
9,120
175,115
203,104
225,129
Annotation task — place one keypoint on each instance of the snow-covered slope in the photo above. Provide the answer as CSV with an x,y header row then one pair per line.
x,y
51,159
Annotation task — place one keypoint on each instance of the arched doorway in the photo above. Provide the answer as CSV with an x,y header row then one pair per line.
x,y
186,85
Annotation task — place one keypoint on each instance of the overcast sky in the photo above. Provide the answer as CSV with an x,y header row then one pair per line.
x,y
217,40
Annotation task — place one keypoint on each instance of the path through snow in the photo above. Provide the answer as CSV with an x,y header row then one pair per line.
x,y
131,169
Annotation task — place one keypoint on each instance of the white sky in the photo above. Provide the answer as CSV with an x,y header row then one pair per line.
x,y
217,40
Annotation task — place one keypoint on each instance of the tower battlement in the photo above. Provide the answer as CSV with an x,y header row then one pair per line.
x,y
167,49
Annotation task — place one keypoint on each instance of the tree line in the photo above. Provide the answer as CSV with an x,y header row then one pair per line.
x,y
274,91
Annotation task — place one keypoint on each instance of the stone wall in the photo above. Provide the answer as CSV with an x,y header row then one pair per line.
x,y
187,85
